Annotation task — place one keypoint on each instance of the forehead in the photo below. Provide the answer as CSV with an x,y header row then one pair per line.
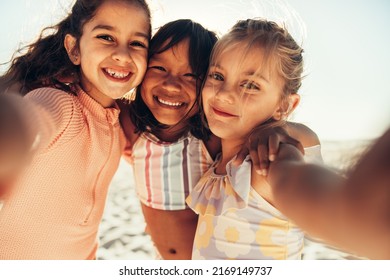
x,y
121,14
244,57
178,51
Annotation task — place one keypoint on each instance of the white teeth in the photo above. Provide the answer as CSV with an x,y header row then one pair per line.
x,y
176,104
119,75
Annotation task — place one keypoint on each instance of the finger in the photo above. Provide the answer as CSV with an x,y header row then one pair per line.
x,y
289,140
260,159
273,146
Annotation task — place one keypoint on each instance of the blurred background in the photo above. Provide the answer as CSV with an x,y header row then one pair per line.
x,y
345,97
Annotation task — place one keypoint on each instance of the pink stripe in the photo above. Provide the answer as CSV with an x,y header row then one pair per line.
x,y
153,174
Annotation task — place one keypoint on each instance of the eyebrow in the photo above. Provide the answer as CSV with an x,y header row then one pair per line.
x,y
256,74
111,28
248,73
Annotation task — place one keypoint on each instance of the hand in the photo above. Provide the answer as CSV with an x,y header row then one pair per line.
x,y
15,142
263,146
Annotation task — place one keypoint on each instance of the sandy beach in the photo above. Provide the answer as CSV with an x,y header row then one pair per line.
x,y
122,235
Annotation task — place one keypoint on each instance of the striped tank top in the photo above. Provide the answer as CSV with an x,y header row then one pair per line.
x,y
165,172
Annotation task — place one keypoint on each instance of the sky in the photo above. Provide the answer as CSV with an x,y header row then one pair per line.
x,y
346,91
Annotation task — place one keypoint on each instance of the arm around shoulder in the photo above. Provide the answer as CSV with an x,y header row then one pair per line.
x,y
302,133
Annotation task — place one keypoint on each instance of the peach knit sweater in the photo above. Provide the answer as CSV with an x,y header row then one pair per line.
x,y
55,208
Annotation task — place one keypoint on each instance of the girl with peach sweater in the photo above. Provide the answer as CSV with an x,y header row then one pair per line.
x,y
70,80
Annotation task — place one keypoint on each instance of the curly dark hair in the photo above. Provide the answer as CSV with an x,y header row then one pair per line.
x,y
45,62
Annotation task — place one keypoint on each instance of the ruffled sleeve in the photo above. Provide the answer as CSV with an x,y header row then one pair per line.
x,y
215,194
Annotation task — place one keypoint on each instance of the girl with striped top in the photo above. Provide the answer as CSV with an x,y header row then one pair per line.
x,y
170,147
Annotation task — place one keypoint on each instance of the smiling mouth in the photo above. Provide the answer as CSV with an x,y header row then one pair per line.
x,y
116,73
222,113
169,103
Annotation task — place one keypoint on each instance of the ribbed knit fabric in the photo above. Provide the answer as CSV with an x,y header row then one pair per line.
x,y
55,209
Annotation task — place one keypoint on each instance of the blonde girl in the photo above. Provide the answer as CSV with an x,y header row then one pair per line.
x,y
253,80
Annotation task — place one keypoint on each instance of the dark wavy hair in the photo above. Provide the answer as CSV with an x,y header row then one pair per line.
x,y
45,62
201,42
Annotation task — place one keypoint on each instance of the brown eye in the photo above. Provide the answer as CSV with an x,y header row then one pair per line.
x,y
106,38
191,75
138,44
159,68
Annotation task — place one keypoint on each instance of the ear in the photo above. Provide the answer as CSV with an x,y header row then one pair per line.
x,y
72,49
294,100
287,106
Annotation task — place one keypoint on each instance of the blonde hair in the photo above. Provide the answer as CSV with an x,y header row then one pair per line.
x,y
280,49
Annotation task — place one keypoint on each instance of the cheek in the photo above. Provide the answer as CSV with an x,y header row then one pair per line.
x,y
204,101
147,85
141,67
207,94
150,80
141,60
190,88
146,96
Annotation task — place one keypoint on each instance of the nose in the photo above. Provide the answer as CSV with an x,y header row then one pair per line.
x,y
224,94
122,54
171,83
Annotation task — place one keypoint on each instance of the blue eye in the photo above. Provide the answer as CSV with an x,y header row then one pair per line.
x,y
216,76
250,86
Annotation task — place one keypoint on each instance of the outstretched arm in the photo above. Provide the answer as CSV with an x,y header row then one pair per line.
x,y
351,213
16,140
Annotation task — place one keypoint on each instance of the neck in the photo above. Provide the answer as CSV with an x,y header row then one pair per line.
x,y
170,134
230,148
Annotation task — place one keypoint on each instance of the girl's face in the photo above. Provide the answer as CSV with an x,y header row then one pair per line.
x,y
169,86
237,96
112,51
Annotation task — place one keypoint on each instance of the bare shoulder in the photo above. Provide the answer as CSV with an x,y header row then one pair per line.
x,y
303,134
